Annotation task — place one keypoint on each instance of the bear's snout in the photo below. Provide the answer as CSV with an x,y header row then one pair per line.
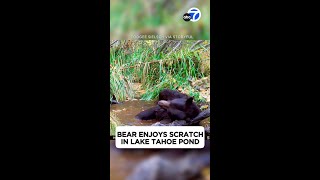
x,y
164,104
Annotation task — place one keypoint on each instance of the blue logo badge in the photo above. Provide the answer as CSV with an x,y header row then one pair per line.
x,y
195,14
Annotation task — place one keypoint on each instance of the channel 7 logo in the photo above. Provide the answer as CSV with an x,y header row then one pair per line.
x,y
193,14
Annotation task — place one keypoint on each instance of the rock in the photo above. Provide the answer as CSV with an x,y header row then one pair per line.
x,y
174,123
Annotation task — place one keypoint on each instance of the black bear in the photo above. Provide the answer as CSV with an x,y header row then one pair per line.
x,y
172,105
168,94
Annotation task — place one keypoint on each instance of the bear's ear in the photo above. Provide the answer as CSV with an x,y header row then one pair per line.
x,y
189,100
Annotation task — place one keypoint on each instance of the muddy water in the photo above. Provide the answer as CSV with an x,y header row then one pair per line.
x,y
127,110
123,162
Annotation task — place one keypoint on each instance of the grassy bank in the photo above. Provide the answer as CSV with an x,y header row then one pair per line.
x,y
113,124
157,65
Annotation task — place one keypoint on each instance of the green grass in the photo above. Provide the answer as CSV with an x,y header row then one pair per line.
x,y
155,71
113,124
129,17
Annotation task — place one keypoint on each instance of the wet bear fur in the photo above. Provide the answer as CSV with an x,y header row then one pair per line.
x,y
172,105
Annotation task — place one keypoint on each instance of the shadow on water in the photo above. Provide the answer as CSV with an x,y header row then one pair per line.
x,y
127,110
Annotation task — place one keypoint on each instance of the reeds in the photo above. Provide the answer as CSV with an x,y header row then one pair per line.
x,y
141,62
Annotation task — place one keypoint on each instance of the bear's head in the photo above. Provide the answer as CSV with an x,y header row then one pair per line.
x,y
179,106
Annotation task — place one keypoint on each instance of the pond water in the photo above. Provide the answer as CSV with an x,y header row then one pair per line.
x,y
123,161
127,110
